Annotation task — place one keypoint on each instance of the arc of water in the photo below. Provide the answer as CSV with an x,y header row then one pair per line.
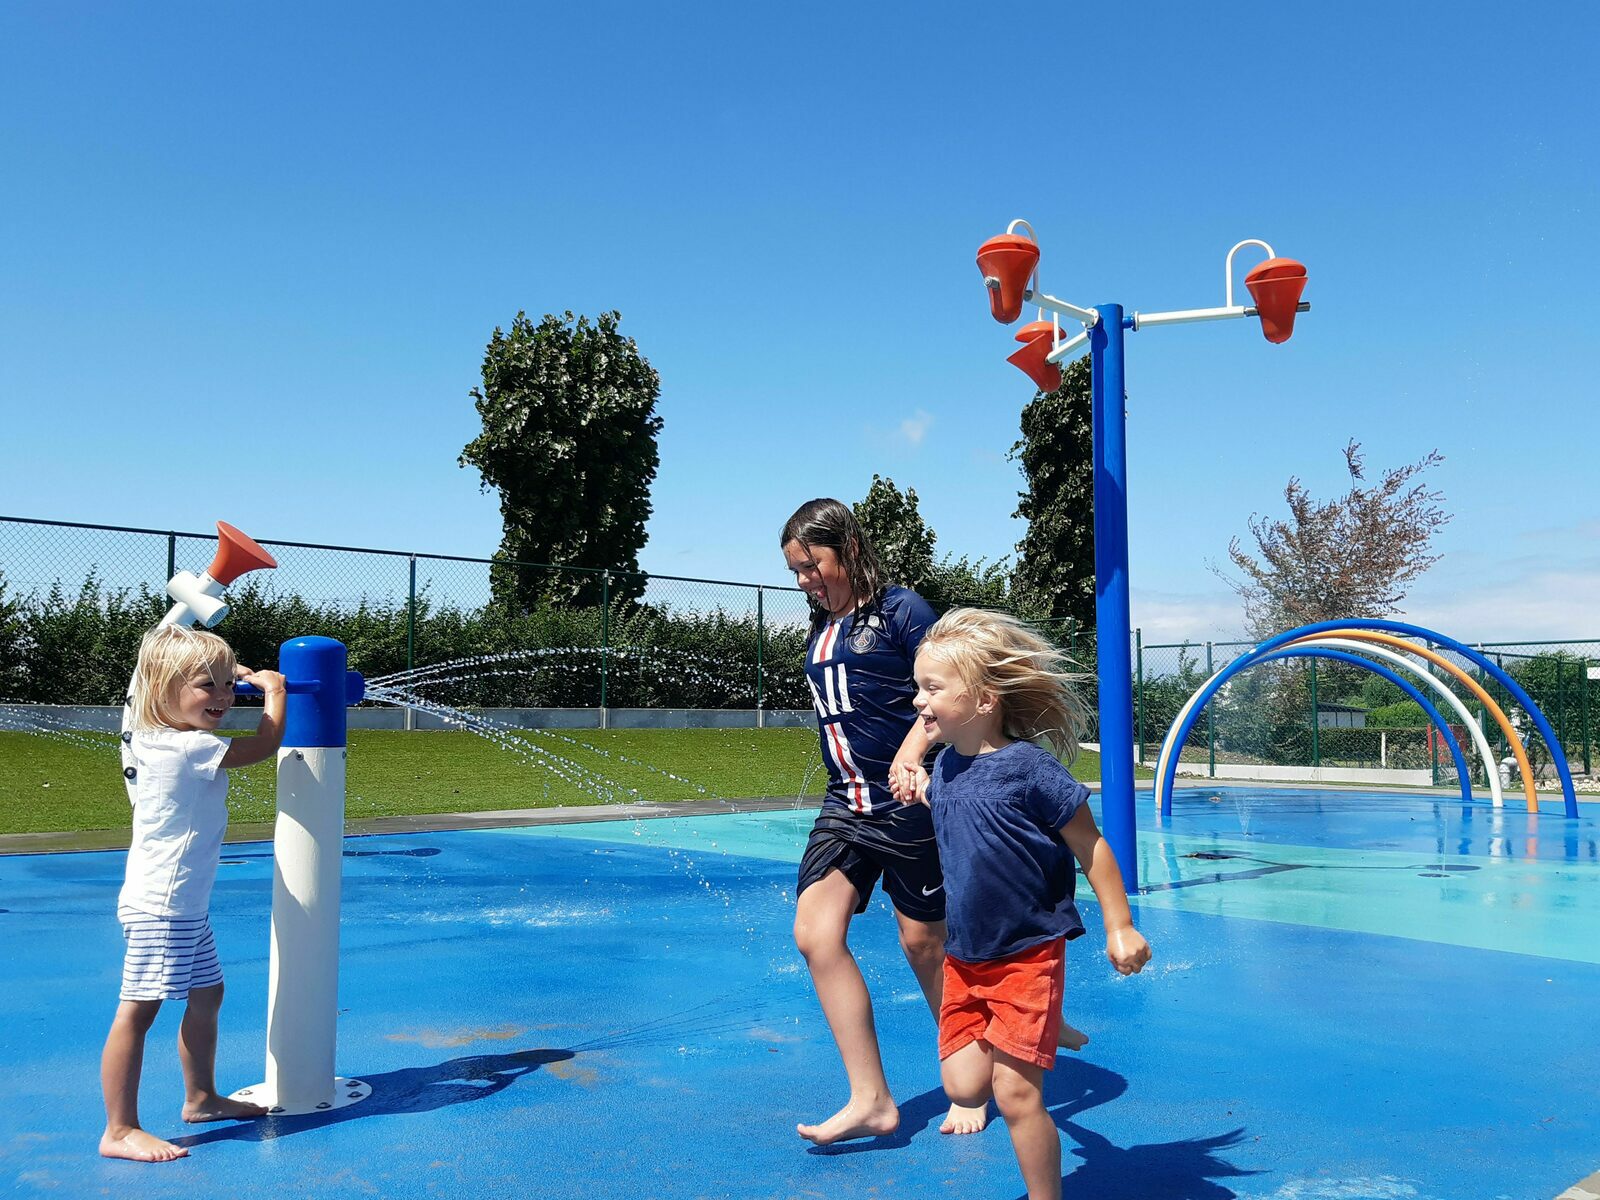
x,y
574,773
1466,681
1166,764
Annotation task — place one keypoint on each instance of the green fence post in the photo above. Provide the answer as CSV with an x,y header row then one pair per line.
x,y
1561,706
1505,746
1316,747
1211,725
172,560
761,637
1433,734
411,616
1072,637
1138,691
411,633
605,639
1583,712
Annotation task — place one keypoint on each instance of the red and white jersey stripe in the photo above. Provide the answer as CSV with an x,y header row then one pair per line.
x,y
858,794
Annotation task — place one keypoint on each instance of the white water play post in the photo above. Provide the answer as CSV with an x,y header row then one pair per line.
x,y
307,862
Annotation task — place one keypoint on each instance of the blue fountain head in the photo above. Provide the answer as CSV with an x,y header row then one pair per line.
x,y
320,688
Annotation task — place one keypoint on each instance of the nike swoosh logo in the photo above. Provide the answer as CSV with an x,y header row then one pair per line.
x,y
931,891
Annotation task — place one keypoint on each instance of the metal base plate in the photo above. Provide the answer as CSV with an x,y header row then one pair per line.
x,y
345,1093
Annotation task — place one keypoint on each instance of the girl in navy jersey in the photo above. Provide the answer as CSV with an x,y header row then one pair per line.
x,y
863,642
1009,820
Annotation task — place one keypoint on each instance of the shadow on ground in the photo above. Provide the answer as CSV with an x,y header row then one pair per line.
x,y
1182,1170
403,1092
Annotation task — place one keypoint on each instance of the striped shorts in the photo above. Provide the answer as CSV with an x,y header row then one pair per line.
x,y
167,957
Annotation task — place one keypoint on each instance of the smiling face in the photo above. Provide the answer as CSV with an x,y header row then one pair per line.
x,y
821,576
951,711
200,699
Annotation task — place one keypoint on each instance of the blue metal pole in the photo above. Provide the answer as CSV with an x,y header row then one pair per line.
x,y
1113,620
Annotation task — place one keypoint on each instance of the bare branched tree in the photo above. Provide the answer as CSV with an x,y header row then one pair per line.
x,y
1353,556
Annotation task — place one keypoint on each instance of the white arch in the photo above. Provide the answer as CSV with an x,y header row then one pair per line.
x,y
1391,656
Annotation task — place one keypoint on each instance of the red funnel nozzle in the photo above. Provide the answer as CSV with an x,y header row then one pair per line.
x,y
1034,328
1275,285
1030,360
236,554
1007,263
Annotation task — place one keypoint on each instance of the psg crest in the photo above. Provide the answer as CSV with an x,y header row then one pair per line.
x,y
863,638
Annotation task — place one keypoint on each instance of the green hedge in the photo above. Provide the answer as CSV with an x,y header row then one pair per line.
x,y
57,648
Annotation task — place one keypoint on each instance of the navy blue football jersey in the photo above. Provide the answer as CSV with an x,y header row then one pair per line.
x,y
859,669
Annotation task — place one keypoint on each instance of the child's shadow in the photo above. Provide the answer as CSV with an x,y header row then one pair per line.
x,y
1077,1089
408,1090
1183,1170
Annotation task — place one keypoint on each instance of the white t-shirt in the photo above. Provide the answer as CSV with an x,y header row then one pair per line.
x,y
180,810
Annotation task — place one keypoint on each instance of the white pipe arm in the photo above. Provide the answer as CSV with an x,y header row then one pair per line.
x,y
1089,316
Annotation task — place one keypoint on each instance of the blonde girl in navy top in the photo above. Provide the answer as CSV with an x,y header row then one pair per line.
x,y
1009,820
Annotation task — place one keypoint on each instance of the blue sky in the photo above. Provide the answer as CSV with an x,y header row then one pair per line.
x,y
251,257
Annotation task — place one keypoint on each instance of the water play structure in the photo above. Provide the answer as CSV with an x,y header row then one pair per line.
x,y
1010,267
303,975
1394,643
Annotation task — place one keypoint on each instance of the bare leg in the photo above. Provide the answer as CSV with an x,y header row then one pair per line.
x,y
923,943
822,919
1019,1094
121,1063
197,1050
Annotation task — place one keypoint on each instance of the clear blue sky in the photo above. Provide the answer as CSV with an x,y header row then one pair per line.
x,y
251,255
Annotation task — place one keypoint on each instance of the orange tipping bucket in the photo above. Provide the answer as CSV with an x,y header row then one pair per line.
x,y
236,554
1034,328
1030,360
1275,286
1007,263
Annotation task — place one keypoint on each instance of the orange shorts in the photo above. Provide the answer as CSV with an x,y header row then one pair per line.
x,y
1013,1003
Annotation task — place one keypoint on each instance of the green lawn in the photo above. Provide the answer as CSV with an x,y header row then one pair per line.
x,y
52,785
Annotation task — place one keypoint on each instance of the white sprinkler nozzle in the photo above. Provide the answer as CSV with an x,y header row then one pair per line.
x,y
199,598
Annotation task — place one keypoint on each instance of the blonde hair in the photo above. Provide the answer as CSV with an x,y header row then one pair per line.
x,y
169,655
997,653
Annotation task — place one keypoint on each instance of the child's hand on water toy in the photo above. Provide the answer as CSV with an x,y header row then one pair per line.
x,y
267,682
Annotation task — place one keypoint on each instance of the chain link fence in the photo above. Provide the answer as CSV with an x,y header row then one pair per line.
x,y
75,599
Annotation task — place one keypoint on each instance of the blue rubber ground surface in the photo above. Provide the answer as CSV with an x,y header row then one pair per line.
x,y
1352,996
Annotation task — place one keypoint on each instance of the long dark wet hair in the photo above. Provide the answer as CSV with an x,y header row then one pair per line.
x,y
830,523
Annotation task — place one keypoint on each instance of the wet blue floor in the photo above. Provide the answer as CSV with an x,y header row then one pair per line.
x,y
1338,1007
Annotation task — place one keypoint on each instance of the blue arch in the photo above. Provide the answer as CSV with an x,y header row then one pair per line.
x,y
1258,656
1557,754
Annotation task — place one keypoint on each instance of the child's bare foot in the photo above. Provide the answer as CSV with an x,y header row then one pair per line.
x,y
855,1120
1070,1038
138,1146
961,1119
220,1108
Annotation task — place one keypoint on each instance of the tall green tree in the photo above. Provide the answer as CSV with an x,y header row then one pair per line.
x,y
902,539
1054,575
569,442
905,546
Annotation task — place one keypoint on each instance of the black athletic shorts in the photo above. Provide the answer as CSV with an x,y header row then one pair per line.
x,y
898,846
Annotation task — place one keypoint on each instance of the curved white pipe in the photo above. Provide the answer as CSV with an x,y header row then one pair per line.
x,y
1227,266
1479,740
